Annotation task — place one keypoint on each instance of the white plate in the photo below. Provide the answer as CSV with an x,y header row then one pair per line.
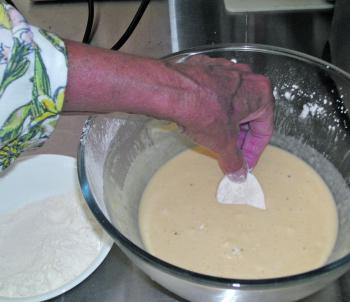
x,y
54,175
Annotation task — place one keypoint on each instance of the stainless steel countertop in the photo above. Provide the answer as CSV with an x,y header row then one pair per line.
x,y
117,279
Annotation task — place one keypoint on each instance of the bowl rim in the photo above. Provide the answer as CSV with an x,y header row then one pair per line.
x,y
207,280
259,48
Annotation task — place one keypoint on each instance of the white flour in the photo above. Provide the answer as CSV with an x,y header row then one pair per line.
x,y
45,244
312,109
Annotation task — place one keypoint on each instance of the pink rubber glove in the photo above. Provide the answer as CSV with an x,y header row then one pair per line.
x,y
233,114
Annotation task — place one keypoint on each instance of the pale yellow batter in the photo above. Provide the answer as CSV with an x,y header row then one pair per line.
x,y
183,224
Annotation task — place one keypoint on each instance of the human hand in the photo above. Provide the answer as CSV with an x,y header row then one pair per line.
x,y
230,111
221,105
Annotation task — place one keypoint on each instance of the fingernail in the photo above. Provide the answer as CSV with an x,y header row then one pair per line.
x,y
239,175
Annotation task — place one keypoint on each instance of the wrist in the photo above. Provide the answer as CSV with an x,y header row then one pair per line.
x,y
180,94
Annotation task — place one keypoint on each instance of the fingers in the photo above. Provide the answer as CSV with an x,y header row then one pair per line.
x,y
242,67
202,59
245,98
253,107
244,128
258,136
260,124
233,164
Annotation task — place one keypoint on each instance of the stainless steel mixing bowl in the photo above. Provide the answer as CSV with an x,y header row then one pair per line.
x,y
119,153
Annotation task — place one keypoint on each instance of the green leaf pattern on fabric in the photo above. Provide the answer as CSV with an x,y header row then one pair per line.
x,y
30,124
17,65
14,124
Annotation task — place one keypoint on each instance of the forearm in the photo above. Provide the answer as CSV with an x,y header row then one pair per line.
x,y
208,97
105,81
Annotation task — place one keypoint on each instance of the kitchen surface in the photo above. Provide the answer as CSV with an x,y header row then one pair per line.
x,y
169,26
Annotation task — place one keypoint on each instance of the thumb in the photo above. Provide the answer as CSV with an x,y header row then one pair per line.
x,y
233,164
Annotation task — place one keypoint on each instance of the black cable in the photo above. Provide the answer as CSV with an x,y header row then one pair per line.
x,y
132,25
90,22
89,25
11,3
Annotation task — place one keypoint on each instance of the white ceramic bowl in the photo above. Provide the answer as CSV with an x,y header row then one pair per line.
x,y
36,178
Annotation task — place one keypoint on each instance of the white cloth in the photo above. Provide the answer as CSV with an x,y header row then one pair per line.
x,y
248,192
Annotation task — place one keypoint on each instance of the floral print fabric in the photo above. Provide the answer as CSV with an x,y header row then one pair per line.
x,y
33,77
